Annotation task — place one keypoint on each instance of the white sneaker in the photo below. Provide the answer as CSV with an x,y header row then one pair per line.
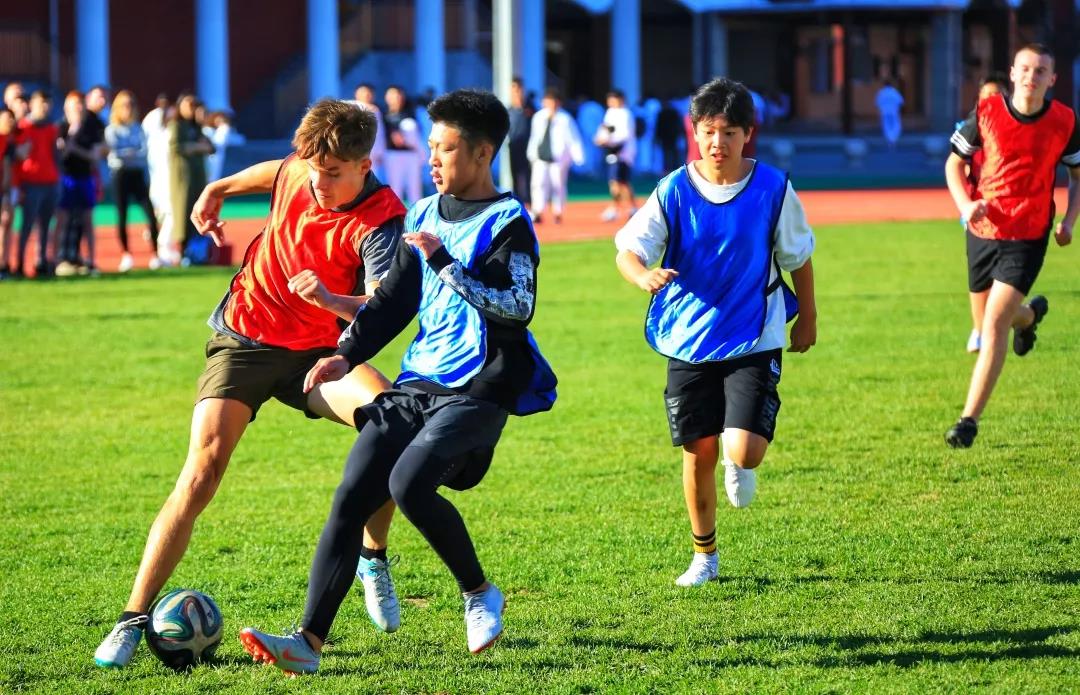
x,y
379,596
116,650
609,214
126,263
483,618
740,484
703,568
155,262
974,341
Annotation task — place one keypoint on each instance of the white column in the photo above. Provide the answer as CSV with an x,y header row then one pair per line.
x,y
324,51
430,48
533,56
212,53
626,49
503,40
717,30
92,42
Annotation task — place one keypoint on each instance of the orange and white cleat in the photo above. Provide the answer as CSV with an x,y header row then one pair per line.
x,y
290,653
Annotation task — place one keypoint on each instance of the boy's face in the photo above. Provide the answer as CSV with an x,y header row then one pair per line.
x,y
336,182
7,122
364,95
1032,74
395,100
988,90
456,166
39,108
73,108
719,141
551,104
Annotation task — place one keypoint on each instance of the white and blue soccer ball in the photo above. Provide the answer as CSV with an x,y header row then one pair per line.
x,y
185,628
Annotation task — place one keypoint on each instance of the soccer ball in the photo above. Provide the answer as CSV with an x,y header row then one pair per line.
x,y
185,628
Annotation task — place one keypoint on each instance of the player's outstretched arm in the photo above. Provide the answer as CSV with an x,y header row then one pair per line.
x,y
206,215
307,285
804,330
1063,231
635,272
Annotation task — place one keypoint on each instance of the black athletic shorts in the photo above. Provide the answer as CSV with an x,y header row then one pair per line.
x,y
618,171
1016,263
254,375
704,399
460,430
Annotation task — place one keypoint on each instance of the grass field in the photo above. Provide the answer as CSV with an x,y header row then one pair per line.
x,y
874,558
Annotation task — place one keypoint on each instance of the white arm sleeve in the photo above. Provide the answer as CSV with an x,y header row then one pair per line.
x,y
794,241
645,233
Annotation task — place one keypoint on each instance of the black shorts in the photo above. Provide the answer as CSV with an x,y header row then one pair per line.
x,y
460,430
704,399
254,375
618,171
1016,263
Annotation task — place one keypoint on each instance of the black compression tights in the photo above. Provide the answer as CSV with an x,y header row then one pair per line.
x,y
378,468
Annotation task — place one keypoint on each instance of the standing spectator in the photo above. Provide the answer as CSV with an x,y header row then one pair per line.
x,y
554,142
127,163
889,101
616,137
97,102
365,99
521,114
187,167
38,179
7,159
81,143
222,136
157,163
403,148
669,129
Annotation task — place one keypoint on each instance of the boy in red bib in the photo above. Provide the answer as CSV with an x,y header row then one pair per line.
x,y
332,234
1010,215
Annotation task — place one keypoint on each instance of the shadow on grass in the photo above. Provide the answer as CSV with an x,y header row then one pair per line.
x,y
926,648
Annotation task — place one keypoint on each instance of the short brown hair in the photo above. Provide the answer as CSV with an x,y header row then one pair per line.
x,y
337,128
1036,48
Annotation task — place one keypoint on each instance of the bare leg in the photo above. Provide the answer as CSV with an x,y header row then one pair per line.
x,y
337,401
1003,311
744,448
216,427
699,483
978,308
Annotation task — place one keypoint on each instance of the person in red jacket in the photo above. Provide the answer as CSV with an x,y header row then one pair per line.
x,y
38,181
331,236
1011,214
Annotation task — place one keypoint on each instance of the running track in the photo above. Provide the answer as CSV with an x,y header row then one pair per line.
x,y
582,220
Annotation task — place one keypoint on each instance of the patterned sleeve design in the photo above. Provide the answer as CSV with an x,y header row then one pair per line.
x,y
514,303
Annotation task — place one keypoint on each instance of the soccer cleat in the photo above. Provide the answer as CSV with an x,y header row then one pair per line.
x,y
974,343
703,568
290,653
740,483
126,263
483,618
116,650
379,596
962,434
1024,338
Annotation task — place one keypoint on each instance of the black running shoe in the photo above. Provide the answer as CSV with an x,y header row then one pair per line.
x,y
962,434
1024,339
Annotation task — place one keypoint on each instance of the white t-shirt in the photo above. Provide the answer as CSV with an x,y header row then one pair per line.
x,y
619,127
646,235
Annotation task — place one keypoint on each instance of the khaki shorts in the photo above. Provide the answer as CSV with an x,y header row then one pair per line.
x,y
255,375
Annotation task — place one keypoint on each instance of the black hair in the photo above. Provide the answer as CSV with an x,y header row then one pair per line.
x,y
478,114
997,77
723,97
365,85
553,93
618,94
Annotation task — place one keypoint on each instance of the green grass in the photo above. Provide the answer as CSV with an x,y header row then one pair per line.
x,y
874,558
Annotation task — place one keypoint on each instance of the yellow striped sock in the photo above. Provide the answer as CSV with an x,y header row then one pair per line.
x,y
706,543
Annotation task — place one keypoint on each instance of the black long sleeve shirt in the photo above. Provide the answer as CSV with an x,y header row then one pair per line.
x,y
502,288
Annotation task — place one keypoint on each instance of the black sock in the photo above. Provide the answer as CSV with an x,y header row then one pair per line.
x,y
370,553
128,615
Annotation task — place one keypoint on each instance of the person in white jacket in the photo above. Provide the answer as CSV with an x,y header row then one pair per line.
x,y
554,142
